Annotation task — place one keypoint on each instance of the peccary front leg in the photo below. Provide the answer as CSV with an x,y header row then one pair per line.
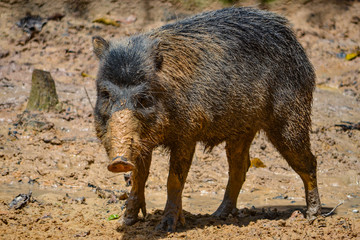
x,y
136,200
239,162
180,161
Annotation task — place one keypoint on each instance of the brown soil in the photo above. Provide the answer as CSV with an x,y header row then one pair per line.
x,y
58,158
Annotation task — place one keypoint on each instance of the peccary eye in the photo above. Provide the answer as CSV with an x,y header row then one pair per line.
x,y
105,100
144,101
105,95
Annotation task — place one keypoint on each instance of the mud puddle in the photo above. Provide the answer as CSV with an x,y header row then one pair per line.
x,y
200,203
9,191
204,202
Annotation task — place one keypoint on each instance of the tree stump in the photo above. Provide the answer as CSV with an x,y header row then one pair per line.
x,y
43,96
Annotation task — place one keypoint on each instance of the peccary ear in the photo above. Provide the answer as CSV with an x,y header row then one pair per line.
x,y
100,46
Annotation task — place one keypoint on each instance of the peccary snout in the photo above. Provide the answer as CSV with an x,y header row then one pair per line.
x,y
122,141
120,164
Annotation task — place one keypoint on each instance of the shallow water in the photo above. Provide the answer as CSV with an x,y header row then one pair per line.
x,y
205,202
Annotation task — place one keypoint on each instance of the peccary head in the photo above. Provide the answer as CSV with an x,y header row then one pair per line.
x,y
129,114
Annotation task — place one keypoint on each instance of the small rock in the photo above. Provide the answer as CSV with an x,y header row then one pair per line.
x,y
69,117
31,23
355,211
297,215
79,200
245,212
271,213
355,20
341,55
281,197
263,146
20,201
350,92
124,196
5,172
56,141
112,199
47,138
4,53
91,185
52,139
82,234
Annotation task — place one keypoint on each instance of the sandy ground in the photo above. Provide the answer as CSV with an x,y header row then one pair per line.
x,y
58,157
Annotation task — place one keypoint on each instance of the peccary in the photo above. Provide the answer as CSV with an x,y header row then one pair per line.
x,y
214,77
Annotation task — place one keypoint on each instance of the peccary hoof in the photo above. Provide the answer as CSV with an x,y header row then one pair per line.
x,y
128,221
120,164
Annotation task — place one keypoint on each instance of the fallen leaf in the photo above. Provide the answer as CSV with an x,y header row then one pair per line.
x,y
84,74
256,162
351,56
107,21
113,217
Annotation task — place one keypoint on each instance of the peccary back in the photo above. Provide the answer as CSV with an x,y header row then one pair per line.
x,y
225,71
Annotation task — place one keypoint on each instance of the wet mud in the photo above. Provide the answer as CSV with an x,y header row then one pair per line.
x,y
58,158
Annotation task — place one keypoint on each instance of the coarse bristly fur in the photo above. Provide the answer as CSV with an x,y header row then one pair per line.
x,y
218,76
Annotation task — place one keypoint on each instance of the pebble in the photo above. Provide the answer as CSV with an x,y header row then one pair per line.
x,y
355,211
341,55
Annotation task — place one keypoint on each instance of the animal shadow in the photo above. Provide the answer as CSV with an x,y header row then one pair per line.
x,y
146,226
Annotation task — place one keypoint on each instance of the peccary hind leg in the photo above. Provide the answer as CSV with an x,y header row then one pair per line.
x,y
239,163
180,161
136,200
298,155
304,164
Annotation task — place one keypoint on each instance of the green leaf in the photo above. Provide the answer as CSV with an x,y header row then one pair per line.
x,y
113,217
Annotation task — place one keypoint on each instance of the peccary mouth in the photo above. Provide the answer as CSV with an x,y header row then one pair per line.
x,y
122,141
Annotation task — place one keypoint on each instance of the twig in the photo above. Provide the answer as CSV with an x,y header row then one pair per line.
x,y
348,126
89,99
113,176
331,212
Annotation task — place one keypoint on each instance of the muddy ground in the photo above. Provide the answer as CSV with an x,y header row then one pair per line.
x,y
57,156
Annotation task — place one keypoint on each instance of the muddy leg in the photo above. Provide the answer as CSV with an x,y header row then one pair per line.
x,y
298,154
239,163
304,164
180,161
136,200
